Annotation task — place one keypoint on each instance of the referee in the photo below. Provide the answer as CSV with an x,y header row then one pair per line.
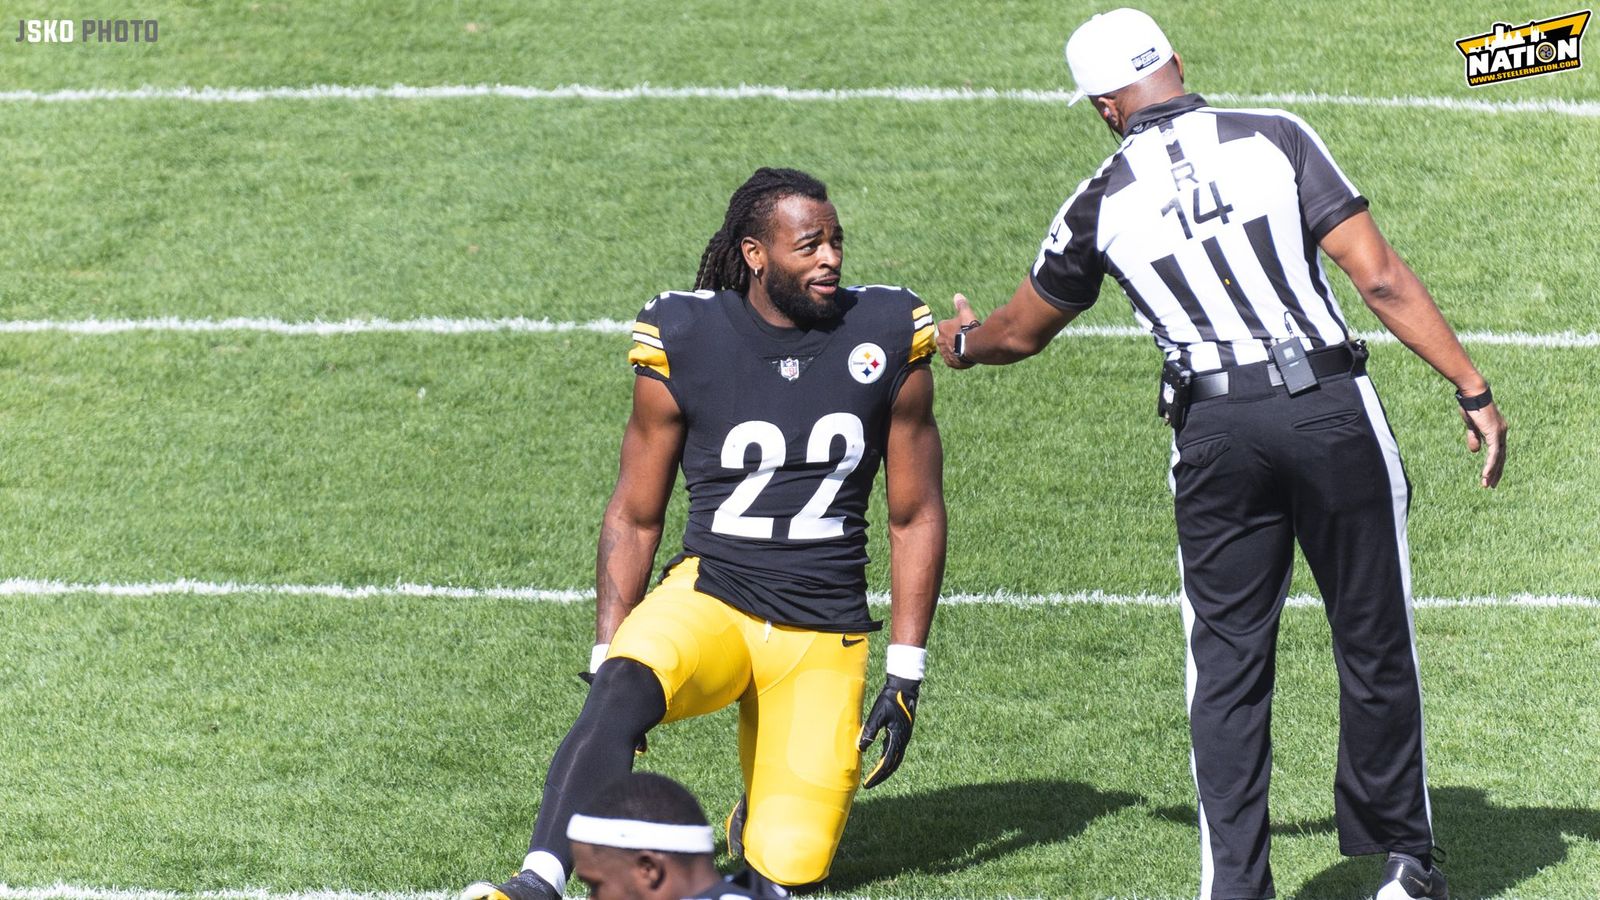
x,y
1211,220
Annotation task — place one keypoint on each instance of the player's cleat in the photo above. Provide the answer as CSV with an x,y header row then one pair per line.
x,y
736,827
1404,878
523,886
758,885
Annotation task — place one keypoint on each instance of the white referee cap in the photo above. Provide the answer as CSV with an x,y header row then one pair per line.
x,y
1113,50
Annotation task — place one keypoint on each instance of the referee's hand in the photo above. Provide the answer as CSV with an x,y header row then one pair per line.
x,y
1486,430
949,328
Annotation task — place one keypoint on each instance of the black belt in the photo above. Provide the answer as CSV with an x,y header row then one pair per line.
x,y
1326,362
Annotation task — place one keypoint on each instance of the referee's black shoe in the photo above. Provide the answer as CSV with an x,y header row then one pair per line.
x,y
1404,878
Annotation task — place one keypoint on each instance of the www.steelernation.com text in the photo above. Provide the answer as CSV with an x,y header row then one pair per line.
x,y
1537,48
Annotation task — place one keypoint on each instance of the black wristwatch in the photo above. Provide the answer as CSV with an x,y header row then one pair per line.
x,y
1470,404
958,344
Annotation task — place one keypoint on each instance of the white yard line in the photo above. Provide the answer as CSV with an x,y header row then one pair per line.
x,y
28,587
315,328
906,94
1103,598
520,324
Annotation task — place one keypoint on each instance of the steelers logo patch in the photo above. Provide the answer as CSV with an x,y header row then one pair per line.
x,y
868,362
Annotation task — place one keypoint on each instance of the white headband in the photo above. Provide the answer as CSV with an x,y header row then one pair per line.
x,y
632,834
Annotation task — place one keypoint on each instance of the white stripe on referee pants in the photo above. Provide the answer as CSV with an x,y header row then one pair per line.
x,y
1208,866
1401,495
1191,676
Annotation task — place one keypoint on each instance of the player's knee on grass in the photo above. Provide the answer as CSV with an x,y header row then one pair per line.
x,y
790,854
624,702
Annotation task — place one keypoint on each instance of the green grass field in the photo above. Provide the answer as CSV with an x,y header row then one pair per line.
x,y
293,744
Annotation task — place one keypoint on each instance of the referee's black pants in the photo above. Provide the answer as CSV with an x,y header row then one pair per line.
x,y
1253,471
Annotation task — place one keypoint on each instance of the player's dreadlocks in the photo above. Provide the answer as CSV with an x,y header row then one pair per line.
x,y
722,265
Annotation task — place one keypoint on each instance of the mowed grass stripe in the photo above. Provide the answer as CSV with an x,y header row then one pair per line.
x,y
575,211
486,460
524,325
1241,45
289,744
899,94
62,891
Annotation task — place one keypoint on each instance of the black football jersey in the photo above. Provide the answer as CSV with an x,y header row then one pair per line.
x,y
785,431
730,889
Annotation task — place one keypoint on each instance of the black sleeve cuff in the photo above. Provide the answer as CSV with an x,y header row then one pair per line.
x,y
1334,217
672,387
904,373
1078,304
648,372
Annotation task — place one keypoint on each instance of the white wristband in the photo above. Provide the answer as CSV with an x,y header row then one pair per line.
x,y
597,656
906,661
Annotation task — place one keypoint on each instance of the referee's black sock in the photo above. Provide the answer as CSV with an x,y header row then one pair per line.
x,y
1423,859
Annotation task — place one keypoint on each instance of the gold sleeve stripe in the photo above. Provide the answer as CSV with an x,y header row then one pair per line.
x,y
651,358
922,345
646,328
921,311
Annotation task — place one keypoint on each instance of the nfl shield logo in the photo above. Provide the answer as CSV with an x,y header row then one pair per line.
x,y
789,368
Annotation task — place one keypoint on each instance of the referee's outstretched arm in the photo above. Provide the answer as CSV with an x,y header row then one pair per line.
x,y
1026,324
1016,331
1401,301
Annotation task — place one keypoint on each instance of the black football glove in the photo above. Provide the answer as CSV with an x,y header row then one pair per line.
x,y
893,712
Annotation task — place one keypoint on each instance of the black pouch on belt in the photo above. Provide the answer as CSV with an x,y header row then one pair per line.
x,y
1293,364
1172,403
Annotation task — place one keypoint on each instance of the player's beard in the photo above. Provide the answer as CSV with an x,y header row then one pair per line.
x,y
790,296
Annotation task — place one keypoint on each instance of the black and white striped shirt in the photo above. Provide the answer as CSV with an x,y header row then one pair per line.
x,y
1209,219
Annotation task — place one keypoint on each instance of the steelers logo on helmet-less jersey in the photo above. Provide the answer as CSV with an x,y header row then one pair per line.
x,y
868,362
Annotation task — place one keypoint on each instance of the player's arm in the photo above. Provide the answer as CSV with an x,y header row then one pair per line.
x,y
914,475
1402,303
631,528
1015,331
914,482
1063,282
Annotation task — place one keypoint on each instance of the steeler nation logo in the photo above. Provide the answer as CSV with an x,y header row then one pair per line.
x,y
1537,48
867,362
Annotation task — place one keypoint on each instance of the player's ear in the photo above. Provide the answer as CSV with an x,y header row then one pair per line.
x,y
1107,108
649,872
1179,60
755,254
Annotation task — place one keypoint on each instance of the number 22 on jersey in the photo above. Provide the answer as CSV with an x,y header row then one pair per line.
x,y
811,523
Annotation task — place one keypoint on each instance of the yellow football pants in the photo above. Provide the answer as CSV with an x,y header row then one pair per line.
x,y
799,696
